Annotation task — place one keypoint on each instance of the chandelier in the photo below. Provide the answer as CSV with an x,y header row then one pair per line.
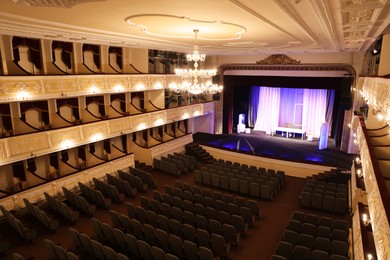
x,y
193,79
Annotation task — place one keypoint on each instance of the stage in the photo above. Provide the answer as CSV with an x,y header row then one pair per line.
x,y
278,147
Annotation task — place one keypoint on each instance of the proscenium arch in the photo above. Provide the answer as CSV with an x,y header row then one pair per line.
x,y
279,73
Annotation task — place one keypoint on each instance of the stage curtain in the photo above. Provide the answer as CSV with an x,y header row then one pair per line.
x,y
290,113
314,110
330,95
253,106
268,109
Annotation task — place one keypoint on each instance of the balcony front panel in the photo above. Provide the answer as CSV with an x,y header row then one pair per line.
x,y
17,88
378,216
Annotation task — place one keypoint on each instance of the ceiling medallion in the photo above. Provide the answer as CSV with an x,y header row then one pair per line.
x,y
53,3
278,59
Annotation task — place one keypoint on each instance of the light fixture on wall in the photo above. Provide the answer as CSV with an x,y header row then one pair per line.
x,y
366,221
196,85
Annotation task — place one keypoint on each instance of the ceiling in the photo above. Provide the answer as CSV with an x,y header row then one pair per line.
x,y
226,27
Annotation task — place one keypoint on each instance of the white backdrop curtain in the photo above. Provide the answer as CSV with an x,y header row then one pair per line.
x,y
314,110
268,109
276,108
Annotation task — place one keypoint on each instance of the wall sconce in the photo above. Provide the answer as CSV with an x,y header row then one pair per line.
x,y
366,221
359,173
118,88
357,160
93,89
22,95
370,257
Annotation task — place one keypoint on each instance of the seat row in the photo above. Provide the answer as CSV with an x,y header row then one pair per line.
x,y
324,202
258,189
167,167
61,208
320,237
197,218
93,247
27,233
286,251
79,202
334,175
204,206
320,220
247,170
58,252
50,223
95,196
169,242
122,186
193,163
135,181
203,196
145,176
109,190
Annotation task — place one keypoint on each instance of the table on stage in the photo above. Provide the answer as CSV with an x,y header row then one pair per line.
x,y
288,130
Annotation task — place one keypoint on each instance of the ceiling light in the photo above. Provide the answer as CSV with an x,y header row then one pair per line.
x,y
196,85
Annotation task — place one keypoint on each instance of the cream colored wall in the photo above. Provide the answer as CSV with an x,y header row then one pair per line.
x,y
384,62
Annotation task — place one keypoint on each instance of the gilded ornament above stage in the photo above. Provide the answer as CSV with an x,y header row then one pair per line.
x,y
278,59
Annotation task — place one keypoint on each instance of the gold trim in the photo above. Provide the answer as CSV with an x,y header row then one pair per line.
x,y
278,59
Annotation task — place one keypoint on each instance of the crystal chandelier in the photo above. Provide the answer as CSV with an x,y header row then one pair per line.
x,y
195,85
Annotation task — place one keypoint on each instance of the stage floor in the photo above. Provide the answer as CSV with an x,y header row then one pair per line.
x,y
278,147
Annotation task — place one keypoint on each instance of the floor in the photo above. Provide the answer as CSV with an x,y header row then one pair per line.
x,y
278,147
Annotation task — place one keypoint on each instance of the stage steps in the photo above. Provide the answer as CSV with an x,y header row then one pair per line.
x,y
200,154
143,166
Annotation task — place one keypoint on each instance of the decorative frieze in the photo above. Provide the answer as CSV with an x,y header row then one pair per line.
x,y
26,144
120,125
57,139
16,88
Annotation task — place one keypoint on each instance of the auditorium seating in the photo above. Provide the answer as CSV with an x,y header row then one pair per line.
x,y
135,181
92,247
59,252
94,196
109,190
168,235
79,202
166,167
122,186
61,208
145,176
241,179
41,216
325,195
26,233
309,236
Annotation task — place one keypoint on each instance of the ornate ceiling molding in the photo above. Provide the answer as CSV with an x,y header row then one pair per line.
x,y
53,3
183,27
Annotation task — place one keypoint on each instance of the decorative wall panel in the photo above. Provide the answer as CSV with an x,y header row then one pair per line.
x,y
60,86
3,150
27,144
379,221
157,118
120,125
357,237
95,132
59,137
172,114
